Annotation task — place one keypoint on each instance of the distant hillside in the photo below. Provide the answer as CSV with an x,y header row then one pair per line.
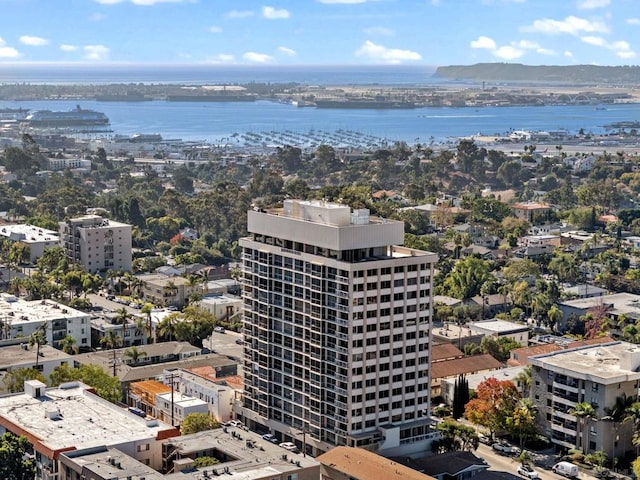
x,y
514,72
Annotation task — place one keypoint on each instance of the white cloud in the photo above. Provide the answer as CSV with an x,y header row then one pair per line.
x,y
221,58
256,57
33,41
381,53
287,51
274,13
341,1
215,29
568,54
240,14
65,47
571,25
508,52
145,3
529,45
95,52
380,31
596,41
620,48
483,42
7,52
591,4
633,21
545,51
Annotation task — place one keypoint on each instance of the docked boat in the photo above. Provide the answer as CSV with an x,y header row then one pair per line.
x,y
74,118
370,104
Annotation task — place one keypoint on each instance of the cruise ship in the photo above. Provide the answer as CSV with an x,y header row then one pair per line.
x,y
77,117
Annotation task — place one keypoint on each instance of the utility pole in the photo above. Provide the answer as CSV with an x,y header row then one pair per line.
x,y
171,377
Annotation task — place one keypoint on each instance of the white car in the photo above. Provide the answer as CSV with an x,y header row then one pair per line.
x,y
506,449
527,471
289,446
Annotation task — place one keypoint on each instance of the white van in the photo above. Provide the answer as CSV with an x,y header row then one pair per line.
x,y
565,468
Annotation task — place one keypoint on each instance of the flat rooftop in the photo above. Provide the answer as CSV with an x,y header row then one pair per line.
x,y
498,326
261,461
84,420
28,233
605,363
23,311
18,356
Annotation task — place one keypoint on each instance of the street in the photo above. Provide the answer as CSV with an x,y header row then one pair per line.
x,y
510,464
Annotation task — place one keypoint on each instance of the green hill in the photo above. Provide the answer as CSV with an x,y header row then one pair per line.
x,y
568,75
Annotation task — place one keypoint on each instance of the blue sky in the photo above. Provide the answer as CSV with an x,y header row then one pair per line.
x,y
320,32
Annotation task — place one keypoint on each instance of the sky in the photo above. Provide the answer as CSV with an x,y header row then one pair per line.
x,y
320,32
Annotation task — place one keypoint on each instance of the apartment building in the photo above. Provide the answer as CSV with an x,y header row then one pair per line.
x,y
70,417
595,374
337,326
20,318
97,243
36,238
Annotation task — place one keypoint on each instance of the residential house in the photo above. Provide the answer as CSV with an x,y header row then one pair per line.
x,y
457,465
452,369
510,374
501,328
532,212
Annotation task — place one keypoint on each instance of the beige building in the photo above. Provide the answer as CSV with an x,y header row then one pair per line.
x,y
97,243
595,374
337,326
530,211
165,291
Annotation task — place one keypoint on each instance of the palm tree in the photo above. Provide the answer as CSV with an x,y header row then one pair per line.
x,y
68,345
632,414
112,340
134,354
37,338
555,317
524,378
122,318
147,308
584,413
168,326
617,414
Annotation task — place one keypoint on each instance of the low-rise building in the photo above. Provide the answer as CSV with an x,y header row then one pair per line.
x,y
36,238
510,374
614,306
446,369
501,328
20,318
19,356
69,417
532,212
173,407
163,290
223,307
349,463
594,374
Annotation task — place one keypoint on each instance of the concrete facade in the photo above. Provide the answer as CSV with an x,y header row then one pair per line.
x,y
337,328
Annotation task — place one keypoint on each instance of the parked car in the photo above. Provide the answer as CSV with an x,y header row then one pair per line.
x,y
235,423
506,449
270,438
604,474
219,329
527,471
565,468
484,439
289,446
239,341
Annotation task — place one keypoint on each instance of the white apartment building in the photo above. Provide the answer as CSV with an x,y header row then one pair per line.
x,y
337,326
216,392
97,243
70,417
36,238
181,404
63,163
595,374
20,318
18,356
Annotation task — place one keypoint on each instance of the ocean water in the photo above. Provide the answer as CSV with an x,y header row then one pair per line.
x,y
218,122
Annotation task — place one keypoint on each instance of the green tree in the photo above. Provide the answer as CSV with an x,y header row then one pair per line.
x,y
69,345
524,378
460,396
134,354
522,421
14,379
202,462
198,422
16,458
466,278
584,413
111,340
455,436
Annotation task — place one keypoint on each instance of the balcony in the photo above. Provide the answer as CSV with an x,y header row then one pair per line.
x,y
572,387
